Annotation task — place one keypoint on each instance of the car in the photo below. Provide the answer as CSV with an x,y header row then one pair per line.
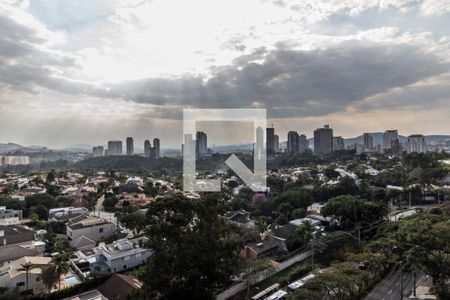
x,y
363,265
407,268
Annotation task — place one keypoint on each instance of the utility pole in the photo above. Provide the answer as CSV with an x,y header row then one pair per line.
x,y
414,281
401,280
438,197
409,199
358,228
312,255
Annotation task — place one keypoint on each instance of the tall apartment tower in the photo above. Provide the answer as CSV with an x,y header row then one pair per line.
x,y
303,143
276,143
97,151
416,143
114,148
338,143
270,133
388,137
258,148
396,148
147,147
156,145
130,146
368,141
323,140
292,142
201,144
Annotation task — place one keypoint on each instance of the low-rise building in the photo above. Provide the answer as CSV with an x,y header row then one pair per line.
x,y
122,254
13,277
263,248
15,234
12,252
10,213
66,213
115,257
117,287
241,218
92,228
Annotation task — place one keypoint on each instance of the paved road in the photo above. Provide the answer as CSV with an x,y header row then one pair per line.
x,y
389,288
100,212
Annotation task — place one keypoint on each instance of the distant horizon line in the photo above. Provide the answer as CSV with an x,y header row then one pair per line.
x,y
177,147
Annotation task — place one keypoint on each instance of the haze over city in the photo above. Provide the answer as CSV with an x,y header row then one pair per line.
x,y
89,71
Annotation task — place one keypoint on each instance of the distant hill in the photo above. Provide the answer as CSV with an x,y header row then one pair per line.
x,y
378,138
4,148
128,163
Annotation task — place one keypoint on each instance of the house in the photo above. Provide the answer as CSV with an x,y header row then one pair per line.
x,y
83,243
122,254
299,222
127,199
19,196
15,234
9,216
92,228
66,213
117,287
12,252
12,277
264,248
282,233
241,218
115,257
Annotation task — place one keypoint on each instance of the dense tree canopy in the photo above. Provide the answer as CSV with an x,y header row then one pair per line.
x,y
195,250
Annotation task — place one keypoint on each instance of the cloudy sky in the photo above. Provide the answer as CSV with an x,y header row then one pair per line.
x,y
87,71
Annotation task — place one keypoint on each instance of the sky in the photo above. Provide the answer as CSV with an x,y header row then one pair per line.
x,y
87,71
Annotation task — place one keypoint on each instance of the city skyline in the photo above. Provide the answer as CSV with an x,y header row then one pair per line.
x,y
116,68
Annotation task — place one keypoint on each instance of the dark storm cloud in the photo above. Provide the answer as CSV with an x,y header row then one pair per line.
x,y
292,82
24,62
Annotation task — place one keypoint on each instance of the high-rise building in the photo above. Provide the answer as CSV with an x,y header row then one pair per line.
x,y
270,133
201,144
416,143
276,143
396,148
147,146
323,140
338,143
114,148
157,147
303,143
368,141
97,151
388,137
258,148
292,142
130,146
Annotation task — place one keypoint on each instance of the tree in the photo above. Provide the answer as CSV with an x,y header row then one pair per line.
x,y
133,221
301,236
428,245
194,250
349,211
49,277
43,199
110,201
41,211
297,199
330,173
61,265
298,213
51,176
26,267
282,220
